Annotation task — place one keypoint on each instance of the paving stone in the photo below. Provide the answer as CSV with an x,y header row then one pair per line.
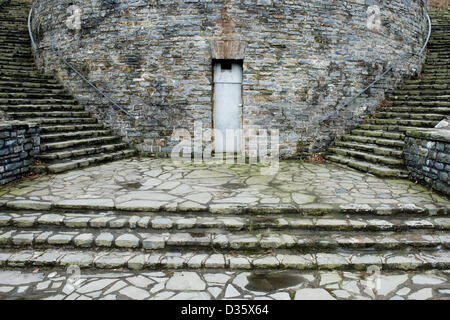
x,y
127,241
25,222
4,258
215,261
43,237
144,222
18,278
427,279
95,285
266,262
82,222
29,205
387,284
97,204
216,278
83,260
104,239
5,220
84,240
100,222
330,261
313,294
20,259
423,294
153,241
118,223
134,293
295,261
140,281
162,223
191,296
48,258
59,239
111,261
197,261
138,262
231,292
185,223
185,281
51,219
23,239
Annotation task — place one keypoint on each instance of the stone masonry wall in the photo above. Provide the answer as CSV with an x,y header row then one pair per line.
x,y
19,144
302,60
427,157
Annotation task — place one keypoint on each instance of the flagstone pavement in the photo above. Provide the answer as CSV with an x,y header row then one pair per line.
x,y
192,285
161,184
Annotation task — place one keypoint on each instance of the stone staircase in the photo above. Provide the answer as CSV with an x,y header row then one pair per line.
x,y
70,137
376,146
165,240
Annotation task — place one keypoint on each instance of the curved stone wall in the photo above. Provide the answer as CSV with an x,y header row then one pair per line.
x,y
302,60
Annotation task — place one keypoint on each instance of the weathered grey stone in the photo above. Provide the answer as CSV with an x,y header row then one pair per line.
x,y
83,260
104,239
154,241
59,239
29,205
84,240
51,219
186,281
313,294
127,241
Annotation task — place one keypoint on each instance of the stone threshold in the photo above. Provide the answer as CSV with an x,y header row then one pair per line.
x,y
391,260
315,209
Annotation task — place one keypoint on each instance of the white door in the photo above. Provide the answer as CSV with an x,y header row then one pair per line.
x,y
227,106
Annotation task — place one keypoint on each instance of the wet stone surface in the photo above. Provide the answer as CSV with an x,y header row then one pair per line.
x,y
161,184
206,285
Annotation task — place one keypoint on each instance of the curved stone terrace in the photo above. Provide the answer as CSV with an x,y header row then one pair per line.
x,y
164,185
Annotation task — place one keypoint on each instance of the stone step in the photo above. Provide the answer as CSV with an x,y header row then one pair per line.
x,y
427,81
386,127
46,147
421,97
12,67
197,259
56,114
63,121
29,95
63,136
408,115
12,54
16,61
24,74
32,90
430,110
249,241
369,167
78,152
375,149
40,108
418,92
421,103
37,101
81,162
189,221
370,157
71,127
374,140
37,81
402,122
379,133
34,85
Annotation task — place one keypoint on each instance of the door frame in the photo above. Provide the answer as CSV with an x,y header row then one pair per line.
x,y
213,62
